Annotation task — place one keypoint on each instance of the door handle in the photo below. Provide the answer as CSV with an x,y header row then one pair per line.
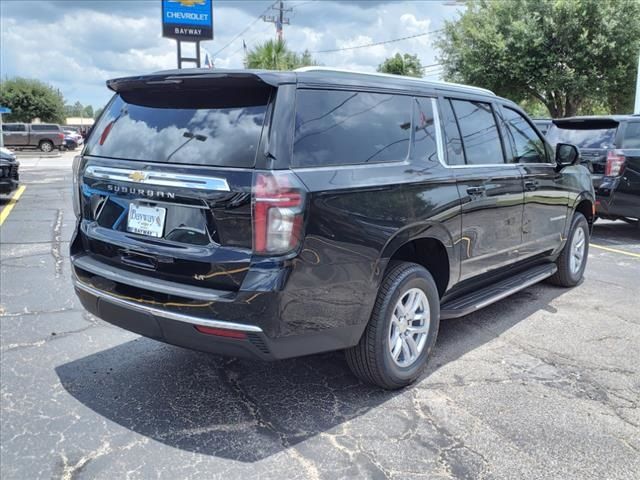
x,y
530,185
474,191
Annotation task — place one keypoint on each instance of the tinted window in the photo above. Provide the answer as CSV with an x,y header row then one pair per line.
x,y
424,140
342,128
16,127
584,138
479,132
222,136
527,145
631,136
45,128
455,153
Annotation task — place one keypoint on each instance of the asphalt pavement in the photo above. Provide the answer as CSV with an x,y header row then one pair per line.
x,y
544,384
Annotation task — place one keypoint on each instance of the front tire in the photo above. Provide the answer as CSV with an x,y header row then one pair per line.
x,y
402,330
573,259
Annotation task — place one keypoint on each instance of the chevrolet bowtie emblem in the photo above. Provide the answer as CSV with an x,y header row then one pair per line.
x,y
188,3
137,176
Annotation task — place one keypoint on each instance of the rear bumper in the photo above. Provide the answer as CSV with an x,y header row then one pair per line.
x,y
160,321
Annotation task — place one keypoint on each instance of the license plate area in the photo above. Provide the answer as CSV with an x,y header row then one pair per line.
x,y
146,220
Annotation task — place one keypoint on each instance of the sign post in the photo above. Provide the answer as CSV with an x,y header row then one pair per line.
x,y
187,21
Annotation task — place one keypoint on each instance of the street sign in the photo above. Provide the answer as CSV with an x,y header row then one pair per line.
x,y
5,110
187,20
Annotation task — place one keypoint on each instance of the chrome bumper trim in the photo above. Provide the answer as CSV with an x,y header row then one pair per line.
x,y
180,317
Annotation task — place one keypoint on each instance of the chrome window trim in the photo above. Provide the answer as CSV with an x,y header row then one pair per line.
x,y
156,178
350,166
180,317
440,146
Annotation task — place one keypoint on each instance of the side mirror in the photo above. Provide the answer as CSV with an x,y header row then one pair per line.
x,y
567,154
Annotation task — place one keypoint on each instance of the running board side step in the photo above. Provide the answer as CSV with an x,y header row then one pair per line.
x,y
473,301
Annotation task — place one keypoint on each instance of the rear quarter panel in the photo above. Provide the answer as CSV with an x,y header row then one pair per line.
x,y
358,217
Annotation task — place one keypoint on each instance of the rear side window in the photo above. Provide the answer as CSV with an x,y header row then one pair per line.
x,y
188,131
479,131
631,136
45,128
455,153
350,128
527,145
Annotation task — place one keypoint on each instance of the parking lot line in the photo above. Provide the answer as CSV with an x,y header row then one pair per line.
x,y
9,206
608,249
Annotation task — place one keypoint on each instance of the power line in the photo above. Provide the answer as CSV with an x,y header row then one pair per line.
x,y
377,43
245,29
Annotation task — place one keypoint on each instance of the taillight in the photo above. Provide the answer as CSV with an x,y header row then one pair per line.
x,y
61,136
615,164
278,208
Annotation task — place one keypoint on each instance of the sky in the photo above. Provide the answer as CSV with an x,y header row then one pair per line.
x,y
76,45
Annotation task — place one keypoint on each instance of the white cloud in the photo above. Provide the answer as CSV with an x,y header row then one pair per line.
x,y
77,46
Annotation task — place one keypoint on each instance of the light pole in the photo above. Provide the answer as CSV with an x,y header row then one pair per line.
x,y
636,109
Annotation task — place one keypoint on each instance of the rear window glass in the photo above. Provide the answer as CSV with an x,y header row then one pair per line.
x,y
631,136
224,135
346,128
45,128
582,138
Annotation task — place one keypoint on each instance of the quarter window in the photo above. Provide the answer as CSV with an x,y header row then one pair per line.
x,y
528,147
424,140
455,153
346,128
479,131
631,136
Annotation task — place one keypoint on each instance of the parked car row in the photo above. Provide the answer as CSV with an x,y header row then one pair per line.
x,y
44,136
610,145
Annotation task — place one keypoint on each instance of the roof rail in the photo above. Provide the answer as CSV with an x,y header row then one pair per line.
x,y
389,75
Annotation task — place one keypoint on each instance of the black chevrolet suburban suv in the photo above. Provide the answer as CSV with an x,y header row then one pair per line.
x,y
611,143
279,214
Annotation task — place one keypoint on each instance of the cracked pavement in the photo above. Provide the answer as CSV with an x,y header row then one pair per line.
x,y
541,385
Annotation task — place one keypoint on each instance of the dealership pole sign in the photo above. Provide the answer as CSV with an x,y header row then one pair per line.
x,y
187,20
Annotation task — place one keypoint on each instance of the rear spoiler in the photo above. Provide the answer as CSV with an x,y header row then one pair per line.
x,y
586,123
198,78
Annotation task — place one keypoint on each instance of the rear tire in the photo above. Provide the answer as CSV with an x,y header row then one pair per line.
x,y
46,146
573,258
402,330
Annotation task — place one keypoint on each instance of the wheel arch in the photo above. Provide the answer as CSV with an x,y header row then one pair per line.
x,y
584,204
430,245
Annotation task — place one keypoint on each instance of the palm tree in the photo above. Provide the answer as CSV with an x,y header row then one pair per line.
x,y
274,55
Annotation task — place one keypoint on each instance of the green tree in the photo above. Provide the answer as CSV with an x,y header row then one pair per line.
x,y
406,64
275,55
88,111
570,55
29,99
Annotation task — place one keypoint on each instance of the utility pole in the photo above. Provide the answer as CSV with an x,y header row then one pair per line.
x,y
279,19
